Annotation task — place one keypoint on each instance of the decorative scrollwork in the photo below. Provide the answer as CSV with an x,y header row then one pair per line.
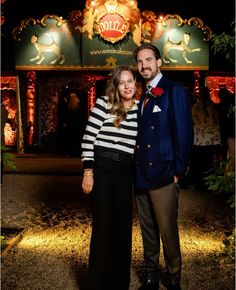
x,y
17,31
167,16
207,32
60,21
195,21
199,23
192,21
149,15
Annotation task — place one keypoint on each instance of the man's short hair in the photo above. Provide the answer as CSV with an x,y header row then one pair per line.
x,y
147,45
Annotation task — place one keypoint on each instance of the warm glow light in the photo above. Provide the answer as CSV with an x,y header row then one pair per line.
x,y
58,241
194,241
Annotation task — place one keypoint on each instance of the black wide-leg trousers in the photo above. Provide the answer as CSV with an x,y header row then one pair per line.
x,y
111,204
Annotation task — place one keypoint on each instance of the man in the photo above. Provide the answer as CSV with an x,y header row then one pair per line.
x,y
164,142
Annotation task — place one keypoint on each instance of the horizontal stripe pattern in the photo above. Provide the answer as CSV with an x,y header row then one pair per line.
x,y
100,131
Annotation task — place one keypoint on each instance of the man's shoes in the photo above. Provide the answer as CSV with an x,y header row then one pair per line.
x,y
149,285
174,286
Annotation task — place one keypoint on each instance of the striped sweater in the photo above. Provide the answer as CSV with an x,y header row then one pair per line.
x,y
101,132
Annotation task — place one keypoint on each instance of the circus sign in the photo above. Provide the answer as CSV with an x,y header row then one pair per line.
x,y
112,27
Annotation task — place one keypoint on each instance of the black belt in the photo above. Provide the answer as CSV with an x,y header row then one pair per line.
x,y
116,156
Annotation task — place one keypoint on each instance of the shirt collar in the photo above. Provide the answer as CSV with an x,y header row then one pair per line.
x,y
156,80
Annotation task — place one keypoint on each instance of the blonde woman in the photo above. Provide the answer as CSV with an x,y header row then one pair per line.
x,y
107,154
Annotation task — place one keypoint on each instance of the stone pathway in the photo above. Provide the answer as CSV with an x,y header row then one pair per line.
x,y
53,251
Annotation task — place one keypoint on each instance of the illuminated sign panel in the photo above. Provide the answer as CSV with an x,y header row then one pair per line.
x,y
105,35
112,27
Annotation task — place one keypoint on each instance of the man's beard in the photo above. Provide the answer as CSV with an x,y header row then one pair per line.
x,y
148,74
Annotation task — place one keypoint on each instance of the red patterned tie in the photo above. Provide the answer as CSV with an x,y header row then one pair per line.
x,y
145,101
147,96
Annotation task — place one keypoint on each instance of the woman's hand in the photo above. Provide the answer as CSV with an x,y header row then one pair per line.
x,y
176,179
87,183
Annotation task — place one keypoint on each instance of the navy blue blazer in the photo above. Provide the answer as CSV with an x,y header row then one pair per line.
x,y
165,137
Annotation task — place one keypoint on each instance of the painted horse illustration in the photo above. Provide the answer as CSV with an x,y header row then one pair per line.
x,y
43,48
181,46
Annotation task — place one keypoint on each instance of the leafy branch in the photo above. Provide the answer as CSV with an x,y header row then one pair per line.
x,y
222,180
224,44
8,158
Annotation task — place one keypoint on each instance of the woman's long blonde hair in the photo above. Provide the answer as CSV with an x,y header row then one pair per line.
x,y
114,99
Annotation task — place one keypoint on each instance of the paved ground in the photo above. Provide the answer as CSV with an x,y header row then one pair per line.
x,y
53,251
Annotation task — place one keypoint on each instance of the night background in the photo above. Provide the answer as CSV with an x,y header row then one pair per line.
x,y
46,218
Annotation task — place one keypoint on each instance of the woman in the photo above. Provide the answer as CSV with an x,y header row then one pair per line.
x,y
107,154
